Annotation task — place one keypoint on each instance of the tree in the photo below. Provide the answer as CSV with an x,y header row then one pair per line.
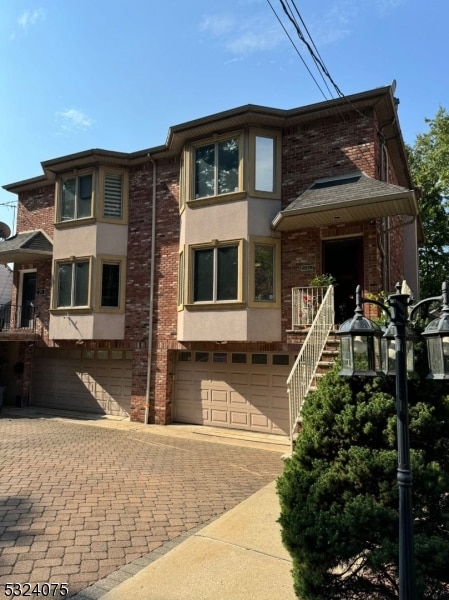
x,y
429,165
339,494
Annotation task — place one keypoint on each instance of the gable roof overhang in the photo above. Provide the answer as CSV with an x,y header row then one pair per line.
x,y
26,247
346,199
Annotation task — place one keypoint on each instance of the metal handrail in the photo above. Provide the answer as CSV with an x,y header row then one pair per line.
x,y
301,376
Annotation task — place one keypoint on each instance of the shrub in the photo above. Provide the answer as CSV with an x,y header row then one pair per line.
x,y
339,494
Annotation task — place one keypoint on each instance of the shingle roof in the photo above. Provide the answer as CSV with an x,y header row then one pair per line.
x,y
351,197
22,247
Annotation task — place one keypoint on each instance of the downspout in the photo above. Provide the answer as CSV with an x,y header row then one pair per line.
x,y
151,308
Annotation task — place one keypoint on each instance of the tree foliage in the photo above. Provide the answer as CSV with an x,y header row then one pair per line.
x,y
429,165
339,493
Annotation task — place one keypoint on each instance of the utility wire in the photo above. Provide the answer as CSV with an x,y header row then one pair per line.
x,y
296,49
315,58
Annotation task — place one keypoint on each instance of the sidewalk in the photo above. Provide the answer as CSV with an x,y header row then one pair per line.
x,y
238,556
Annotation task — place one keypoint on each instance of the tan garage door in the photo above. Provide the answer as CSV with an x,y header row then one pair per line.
x,y
233,389
94,381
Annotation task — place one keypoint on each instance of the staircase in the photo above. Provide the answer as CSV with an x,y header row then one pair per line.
x,y
317,354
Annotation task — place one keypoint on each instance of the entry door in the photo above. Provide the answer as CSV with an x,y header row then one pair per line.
x,y
28,298
344,260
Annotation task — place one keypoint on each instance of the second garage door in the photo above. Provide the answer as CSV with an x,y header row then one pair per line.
x,y
94,381
237,390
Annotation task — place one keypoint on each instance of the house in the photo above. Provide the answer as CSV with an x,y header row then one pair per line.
x,y
159,283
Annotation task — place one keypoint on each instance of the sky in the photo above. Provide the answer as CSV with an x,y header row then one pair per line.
x,y
117,74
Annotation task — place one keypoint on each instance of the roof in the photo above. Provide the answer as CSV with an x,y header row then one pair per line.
x,y
381,100
347,198
26,247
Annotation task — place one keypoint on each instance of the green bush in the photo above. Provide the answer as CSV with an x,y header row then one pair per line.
x,y
339,493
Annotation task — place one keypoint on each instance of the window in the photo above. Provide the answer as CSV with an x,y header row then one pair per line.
x,y
110,284
76,197
113,196
110,288
264,282
72,283
265,164
217,168
101,194
263,272
181,267
216,273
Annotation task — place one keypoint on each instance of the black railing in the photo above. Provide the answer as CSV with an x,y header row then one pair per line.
x,y
17,317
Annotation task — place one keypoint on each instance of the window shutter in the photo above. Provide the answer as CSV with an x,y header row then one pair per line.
x,y
113,186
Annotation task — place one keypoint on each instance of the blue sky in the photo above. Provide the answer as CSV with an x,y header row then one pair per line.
x,y
116,74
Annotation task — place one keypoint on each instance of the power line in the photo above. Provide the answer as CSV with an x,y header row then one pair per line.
x,y
296,49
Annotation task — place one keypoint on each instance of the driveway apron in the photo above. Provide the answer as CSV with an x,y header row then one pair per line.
x,y
78,502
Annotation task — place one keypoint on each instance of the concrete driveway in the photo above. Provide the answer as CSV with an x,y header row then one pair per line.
x,y
81,500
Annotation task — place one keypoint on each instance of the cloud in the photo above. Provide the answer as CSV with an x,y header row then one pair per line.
x,y
217,25
30,17
241,37
73,119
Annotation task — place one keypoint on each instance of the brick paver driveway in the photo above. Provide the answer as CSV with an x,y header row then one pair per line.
x,y
78,501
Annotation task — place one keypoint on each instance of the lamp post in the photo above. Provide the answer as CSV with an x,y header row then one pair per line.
x,y
367,351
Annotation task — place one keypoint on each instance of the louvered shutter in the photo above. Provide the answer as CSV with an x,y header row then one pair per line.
x,y
113,186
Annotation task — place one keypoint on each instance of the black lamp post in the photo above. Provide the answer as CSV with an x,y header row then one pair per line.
x,y
365,351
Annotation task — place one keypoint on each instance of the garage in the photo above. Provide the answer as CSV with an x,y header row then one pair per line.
x,y
78,379
237,390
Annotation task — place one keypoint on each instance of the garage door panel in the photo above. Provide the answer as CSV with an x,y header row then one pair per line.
x,y
76,381
242,396
237,398
239,418
279,381
219,417
259,379
219,396
237,378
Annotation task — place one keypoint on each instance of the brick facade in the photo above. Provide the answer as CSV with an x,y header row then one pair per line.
x,y
323,146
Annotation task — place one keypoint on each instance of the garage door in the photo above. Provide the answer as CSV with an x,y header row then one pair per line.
x,y
94,381
233,389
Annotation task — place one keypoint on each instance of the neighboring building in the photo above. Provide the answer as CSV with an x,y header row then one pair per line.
x,y
161,281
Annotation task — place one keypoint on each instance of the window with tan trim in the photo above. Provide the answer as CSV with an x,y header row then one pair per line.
x,y
231,166
216,273
265,163
265,271
110,278
96,193
181,280
72,283
113,197
213,168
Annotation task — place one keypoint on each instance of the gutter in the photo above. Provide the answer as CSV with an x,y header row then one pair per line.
x,y
151,309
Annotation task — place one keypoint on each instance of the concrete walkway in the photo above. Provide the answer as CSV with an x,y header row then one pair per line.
x,y
237,557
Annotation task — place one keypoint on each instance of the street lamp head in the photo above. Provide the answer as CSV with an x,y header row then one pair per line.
x,y
360,344
388,349
437,337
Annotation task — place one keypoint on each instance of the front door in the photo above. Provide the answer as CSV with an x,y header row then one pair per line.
x,y
28,297
343,259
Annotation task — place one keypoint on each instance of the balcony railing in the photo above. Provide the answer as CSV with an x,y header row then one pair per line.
x,y
17,318
302,374
305,304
